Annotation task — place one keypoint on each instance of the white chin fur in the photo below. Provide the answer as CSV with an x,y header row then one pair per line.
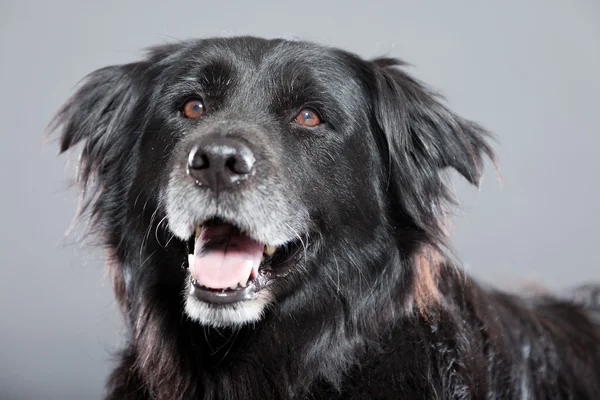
x,y
222,316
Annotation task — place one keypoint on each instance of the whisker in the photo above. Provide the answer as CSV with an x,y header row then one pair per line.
x,y
156,232
147,235
304,245
137,198
337,268
170,239
147,258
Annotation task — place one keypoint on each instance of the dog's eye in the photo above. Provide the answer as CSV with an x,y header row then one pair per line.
x,y
307,117
193,108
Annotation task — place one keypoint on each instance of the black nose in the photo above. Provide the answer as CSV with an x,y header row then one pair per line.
x,y
220,162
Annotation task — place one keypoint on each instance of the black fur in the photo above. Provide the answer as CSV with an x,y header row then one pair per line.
x,y
373,308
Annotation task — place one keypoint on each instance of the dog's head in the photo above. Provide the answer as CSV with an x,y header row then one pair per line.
x,y
262,167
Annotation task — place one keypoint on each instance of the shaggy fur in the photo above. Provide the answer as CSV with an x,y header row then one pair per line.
x,y
372,307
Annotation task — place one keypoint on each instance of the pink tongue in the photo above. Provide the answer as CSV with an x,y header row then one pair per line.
x,y
225,264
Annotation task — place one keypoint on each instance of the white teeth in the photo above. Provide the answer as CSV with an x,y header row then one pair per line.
x,y
190,261
269,250
248,274
233,287
254,271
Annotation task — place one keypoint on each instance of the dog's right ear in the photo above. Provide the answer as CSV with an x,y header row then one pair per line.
x,y
87,114
100,115
97,114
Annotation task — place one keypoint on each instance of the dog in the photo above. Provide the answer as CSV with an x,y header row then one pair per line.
x,y
275,215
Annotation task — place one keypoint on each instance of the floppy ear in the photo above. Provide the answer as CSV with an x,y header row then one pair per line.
x,y
101,113
96,115
422,137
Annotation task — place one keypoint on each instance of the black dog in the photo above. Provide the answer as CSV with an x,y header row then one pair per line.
x,y
275,214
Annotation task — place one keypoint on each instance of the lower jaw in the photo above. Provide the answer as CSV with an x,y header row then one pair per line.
x,y
227,315
227,296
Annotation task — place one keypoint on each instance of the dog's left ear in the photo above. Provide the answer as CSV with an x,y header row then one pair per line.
x,y
420,137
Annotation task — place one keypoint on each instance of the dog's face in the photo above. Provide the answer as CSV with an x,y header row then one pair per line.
x,y
261,167
270,148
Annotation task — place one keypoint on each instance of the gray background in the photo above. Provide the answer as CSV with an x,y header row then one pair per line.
x,y
529,71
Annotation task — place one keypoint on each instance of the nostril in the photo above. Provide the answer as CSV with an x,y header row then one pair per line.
x,y
203,162
231,164
240,164
198,159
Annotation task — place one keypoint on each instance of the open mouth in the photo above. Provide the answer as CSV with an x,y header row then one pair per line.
x,y
226,265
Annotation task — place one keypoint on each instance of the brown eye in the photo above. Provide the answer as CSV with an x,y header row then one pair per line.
x,y
193,108
307,117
